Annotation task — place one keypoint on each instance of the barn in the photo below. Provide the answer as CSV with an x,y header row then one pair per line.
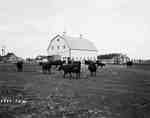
x,y
75,48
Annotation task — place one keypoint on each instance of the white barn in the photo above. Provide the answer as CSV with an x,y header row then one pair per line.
x,y
75,48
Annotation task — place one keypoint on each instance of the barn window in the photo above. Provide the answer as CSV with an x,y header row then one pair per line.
x,y
58,47
52,48
58,40
64,46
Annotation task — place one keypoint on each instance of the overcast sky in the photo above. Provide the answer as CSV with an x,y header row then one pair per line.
x,y
27,26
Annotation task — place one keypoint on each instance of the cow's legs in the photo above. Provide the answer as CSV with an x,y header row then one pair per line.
x,y
43,71
77,75
49,71
70,76
91,73
64,74
95,73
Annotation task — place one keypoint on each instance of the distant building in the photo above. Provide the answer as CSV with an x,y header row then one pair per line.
x,y
41,58
30,61
10,58
114,58
140,61
75,48
146,61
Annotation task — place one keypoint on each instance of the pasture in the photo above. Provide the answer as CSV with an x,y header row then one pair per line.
x,y
116,92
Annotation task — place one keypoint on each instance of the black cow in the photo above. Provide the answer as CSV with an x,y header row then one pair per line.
x,y
76,62
100,64
87,62
57,63
71,68
46,67
92,68
129,63
19,66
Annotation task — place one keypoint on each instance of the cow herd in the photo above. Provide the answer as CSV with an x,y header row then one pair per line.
x,y
70,68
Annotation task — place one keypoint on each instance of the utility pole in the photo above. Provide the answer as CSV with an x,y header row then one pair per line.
x,y
3,50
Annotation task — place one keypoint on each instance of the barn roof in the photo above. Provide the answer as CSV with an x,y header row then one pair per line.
x,y
77,43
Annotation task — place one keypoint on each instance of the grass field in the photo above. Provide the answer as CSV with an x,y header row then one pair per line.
x,y
116,92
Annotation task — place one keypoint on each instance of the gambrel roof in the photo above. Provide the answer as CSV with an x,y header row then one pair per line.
x,y
77,43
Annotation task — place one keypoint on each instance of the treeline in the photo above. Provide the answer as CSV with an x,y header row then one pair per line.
x,y
108,56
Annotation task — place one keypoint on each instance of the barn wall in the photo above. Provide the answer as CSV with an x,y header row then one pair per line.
x,y
64,52
81,55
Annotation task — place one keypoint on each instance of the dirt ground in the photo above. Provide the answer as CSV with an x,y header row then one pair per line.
x,y
115,92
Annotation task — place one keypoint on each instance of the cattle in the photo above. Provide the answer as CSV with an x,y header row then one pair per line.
x,y
87,62
129,63
57,63
76,62
46,67
92,68
19,66
74,67
100,64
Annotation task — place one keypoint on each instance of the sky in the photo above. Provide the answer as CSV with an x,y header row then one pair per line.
x,y
121,26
